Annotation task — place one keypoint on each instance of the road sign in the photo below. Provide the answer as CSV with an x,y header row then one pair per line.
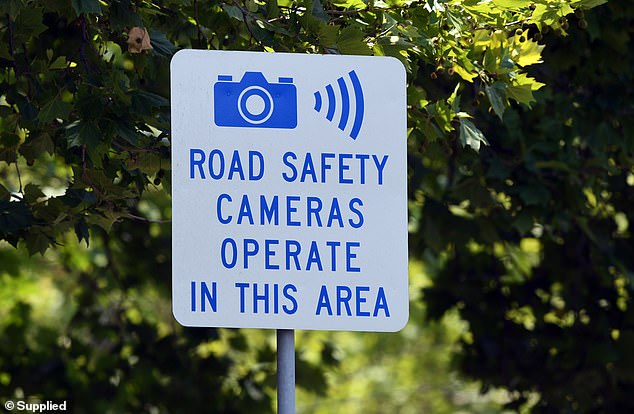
x,y
289,191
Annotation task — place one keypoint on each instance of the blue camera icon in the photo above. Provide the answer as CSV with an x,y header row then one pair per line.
x,y
254,102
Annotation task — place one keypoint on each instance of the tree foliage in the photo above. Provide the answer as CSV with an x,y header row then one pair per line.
x,y
71,90
519,192
533,238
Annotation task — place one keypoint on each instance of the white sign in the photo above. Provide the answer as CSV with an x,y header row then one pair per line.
x,y
289,189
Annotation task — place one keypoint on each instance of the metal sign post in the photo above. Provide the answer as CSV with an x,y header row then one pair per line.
x,y
285,371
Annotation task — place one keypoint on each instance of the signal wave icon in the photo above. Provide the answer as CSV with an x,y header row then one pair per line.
x,y
344,95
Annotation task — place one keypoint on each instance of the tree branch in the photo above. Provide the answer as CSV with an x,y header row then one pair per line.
x,y
12,46
199,32
17,170
84,41
145,219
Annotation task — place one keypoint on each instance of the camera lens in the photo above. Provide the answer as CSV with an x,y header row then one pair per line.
x,y
255,105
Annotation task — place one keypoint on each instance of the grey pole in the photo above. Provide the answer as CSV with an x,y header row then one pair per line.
x,y
285,371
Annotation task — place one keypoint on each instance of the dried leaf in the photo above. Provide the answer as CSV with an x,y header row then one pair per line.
x,y
138,40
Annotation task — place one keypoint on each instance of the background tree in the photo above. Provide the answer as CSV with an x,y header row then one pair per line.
x,y
532,238
528,238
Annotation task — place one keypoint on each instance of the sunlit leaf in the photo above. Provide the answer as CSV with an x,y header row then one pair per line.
x,y
497,96
464,74
470,135
528,53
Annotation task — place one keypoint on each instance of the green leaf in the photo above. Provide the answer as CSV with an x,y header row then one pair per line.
x,y
9,139
148,162
233,11
417,97
436,6
454,99
5,195
394,46
120,16
56,108
397,42
30,19
36,145
534,194
523,223
127,132
351,41
11,7
455,20
521,93
272,10
260,32
443,115
328,35
15,216
349,4
59,63
32,193
81,230
8,146
470,135
78,198
522,89
512,4
83,133
8,155
497,97
430,130
588,4
162,46
143,102
528,53
86,6
37,242
4,51
544,15
465,74
318,11
105,219
251,5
